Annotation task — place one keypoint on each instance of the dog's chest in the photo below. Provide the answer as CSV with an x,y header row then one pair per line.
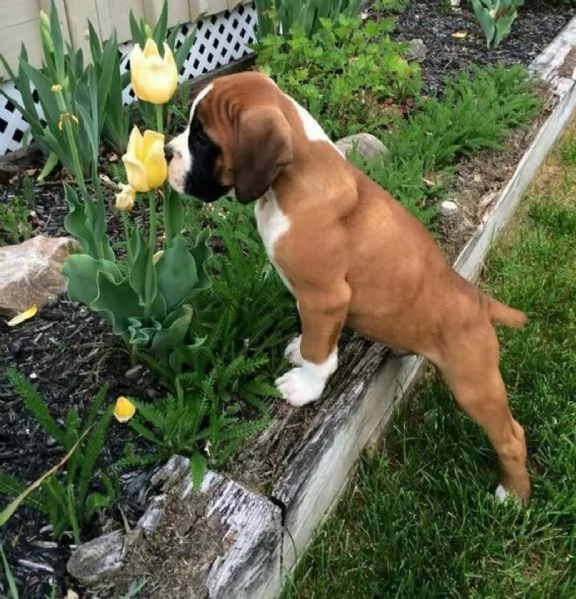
x,y
272,223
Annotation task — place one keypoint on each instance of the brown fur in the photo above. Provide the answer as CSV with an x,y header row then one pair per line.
x,y
356,257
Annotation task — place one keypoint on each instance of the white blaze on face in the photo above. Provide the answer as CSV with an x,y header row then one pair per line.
x,y
181,162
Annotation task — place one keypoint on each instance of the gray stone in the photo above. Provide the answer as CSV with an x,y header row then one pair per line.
x,y
417,52
365,144
30,273
97,559
449,208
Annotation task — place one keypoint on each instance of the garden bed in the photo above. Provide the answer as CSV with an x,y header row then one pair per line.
x,y
304,457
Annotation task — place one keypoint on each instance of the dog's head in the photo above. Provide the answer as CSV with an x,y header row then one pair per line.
x,y
237,139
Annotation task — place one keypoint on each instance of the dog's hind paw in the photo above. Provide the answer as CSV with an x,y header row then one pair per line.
x,y
292,352
501,494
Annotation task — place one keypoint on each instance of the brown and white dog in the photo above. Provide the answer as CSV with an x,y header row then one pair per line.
x,y
351,255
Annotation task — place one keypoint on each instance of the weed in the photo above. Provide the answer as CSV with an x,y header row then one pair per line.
x,y
14,215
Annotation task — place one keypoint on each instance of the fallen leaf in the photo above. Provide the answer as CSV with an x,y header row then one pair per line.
x,y
20,318
460,35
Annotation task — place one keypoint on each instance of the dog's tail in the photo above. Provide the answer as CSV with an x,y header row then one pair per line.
x,y
502,314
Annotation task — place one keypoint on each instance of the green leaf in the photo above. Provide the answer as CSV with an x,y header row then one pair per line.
x,y
177,273
198,469
173,332
83,273
50,164
141,262
173,215
35,405
159,32
116,301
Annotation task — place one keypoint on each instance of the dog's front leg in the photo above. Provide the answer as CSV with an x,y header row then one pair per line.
x,y
315,352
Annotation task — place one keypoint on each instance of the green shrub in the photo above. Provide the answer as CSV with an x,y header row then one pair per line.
x,y
343,74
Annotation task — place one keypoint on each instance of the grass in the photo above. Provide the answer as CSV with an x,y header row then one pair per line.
x,y
420,519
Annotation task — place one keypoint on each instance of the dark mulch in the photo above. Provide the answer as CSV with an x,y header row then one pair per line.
x,y
538,23
69,352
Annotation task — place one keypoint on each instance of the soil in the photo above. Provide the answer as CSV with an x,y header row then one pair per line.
x,y
69,352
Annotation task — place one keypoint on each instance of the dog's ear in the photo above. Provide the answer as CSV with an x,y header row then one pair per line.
x,y
263,148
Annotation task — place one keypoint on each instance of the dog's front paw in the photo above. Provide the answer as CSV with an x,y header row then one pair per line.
x,y
292,352
300,386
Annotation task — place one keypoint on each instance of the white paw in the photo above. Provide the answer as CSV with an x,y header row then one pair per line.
x,y
501,494
299,386
292,352
305,383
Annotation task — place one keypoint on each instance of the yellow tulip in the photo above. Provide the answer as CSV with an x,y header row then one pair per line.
x,y
154,78
124,409
144,160
125,198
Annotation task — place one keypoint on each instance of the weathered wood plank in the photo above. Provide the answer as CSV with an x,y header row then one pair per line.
x,y
219,542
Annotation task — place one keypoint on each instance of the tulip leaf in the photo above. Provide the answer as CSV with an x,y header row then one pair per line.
x,y
173,332
177,273
141,262
75,222
116,301
81,271
141,335
201,253
173,215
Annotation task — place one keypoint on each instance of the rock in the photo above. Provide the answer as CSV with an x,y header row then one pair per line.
x,y
449,208
30,273
366,145
14,163
417,52
98,558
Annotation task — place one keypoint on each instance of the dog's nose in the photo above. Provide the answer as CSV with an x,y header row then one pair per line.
x,y
168,153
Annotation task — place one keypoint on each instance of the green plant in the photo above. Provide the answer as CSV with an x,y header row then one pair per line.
x,y
496,18
388,6
281,17
69,92
343,74
423,148
69,499
14,224
8,575
143,294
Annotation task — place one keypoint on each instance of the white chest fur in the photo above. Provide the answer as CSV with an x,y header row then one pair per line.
x,y
272,224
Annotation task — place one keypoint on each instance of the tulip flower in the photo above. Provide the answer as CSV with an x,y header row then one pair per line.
x,y
144,161
125,198
124,409
154,78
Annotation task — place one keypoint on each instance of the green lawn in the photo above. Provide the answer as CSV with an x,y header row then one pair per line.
x,y
419,519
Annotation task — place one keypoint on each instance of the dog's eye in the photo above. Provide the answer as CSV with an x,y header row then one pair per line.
x,y
197,131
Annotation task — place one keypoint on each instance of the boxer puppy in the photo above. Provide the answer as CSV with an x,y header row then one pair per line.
x,y
350,254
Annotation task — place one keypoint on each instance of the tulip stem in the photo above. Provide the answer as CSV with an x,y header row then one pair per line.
x,y
159,118
152,244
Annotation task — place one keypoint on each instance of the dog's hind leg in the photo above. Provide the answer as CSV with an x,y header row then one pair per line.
x,y
470,364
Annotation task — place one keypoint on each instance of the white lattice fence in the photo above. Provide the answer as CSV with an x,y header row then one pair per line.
x,y
220,39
